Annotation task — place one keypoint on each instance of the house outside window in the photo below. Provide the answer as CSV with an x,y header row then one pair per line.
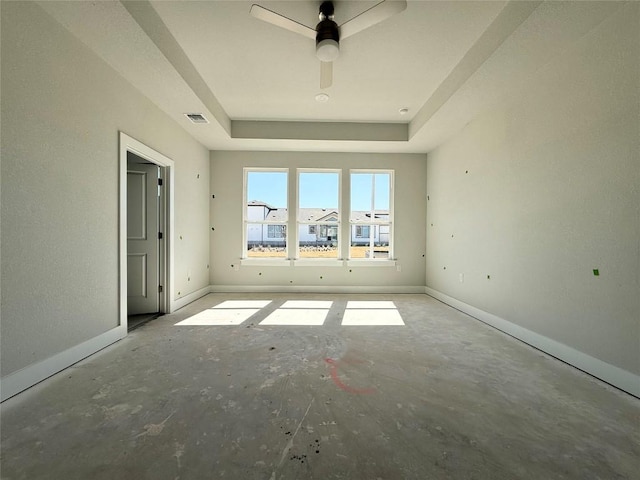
x,y
265,213
276,231
362,231
371,214
318,213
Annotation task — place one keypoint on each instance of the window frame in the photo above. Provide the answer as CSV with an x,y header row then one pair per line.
x,y
245,258
374,224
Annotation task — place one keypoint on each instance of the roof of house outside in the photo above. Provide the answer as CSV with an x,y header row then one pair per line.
x,y
278,214
365,215
260,203
318,214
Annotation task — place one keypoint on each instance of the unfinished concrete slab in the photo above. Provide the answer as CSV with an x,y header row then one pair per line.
x,y
441,397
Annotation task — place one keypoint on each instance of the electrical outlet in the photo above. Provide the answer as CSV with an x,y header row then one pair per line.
x,y
399,268
462,278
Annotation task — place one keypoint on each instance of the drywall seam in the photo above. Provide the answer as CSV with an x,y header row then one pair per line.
x,y
316,289
191,297
611,374
26,377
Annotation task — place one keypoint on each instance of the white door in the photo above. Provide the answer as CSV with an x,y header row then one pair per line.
x,y
142,239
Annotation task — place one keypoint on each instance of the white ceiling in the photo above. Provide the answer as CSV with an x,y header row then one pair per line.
x,y
444,60
259,71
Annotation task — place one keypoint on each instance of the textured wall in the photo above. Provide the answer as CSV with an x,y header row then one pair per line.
x,y
62,108
538,194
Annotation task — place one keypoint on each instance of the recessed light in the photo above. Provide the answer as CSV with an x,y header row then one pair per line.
x,y
403,111
322,98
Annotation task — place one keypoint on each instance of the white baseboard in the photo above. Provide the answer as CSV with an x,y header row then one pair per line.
x,y
381,289
190,297
26,377
611,374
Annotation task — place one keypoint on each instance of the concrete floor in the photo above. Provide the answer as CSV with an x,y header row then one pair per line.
x,y
443,397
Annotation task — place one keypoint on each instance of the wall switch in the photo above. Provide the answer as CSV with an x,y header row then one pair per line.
x,y
399,268
236,267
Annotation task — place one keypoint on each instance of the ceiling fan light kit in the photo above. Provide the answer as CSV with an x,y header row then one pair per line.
x,y
327,50
327,33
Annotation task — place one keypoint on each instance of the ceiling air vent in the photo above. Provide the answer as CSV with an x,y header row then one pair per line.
x,y
196,117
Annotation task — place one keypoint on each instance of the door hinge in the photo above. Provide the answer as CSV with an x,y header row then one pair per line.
x,y
159,288
159,235
160,182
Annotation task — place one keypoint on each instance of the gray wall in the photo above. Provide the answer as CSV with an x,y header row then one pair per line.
x,y
226,217
541,192
62,108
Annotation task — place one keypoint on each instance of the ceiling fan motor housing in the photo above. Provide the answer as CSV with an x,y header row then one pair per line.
x,y
327,40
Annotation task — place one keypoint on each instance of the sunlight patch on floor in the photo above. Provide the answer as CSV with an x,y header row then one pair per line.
x,y
307,304
370,304
298,312
296,316
361,313
243,304
229,316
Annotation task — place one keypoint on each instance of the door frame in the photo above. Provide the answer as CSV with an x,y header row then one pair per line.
x,y
166,253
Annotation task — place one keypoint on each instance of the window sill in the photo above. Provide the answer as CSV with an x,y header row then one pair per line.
x,y
316,262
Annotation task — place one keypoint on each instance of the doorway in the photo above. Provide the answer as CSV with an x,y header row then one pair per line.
x,y
146,223
145,195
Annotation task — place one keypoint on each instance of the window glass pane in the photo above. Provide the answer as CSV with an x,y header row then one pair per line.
x,y
382,192
266,195
323,244
318,191
370,197
360,249
266,240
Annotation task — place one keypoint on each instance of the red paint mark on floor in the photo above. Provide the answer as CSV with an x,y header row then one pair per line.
x,y
333,370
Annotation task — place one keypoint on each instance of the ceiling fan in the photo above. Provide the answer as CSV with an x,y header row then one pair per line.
x,y
327,33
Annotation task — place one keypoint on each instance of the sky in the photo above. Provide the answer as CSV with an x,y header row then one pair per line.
x,y
320,190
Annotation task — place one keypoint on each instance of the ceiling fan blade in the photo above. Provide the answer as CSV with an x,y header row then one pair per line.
x,y
368,18
326,74
278,20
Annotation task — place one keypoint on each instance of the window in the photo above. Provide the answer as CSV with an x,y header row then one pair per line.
x,y
318,213
362,231
265,213
276,231
371,214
